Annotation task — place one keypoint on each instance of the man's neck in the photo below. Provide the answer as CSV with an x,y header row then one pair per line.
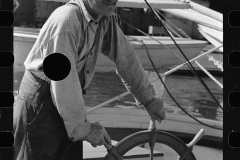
x,y
89,9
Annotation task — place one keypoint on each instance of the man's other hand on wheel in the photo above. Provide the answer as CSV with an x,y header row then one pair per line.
x,y
99,136
156,109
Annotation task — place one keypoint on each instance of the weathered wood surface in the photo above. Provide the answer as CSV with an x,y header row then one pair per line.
x,y
118,117
137,153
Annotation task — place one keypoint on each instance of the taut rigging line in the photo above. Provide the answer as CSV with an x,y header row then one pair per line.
x,y
189,64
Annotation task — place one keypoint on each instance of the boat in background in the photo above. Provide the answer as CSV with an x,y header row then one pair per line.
x,y
212,62
210,25
24,39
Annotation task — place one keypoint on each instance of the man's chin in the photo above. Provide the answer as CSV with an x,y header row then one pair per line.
x,y
109,13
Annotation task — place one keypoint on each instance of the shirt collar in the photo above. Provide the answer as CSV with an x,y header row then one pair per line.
x,y
87,17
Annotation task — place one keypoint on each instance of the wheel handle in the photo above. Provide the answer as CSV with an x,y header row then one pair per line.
x,y
198,136
152,128
113,151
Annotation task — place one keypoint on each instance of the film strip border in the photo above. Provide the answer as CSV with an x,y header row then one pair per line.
x,y
6,79
231,79
231,83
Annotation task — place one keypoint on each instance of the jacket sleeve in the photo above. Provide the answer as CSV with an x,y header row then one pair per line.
x,y
129,68
67,93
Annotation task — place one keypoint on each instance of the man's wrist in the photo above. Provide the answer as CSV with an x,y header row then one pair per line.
x,y
144,97
90,125
148,102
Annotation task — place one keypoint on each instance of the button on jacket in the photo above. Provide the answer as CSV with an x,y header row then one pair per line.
x,y
75,35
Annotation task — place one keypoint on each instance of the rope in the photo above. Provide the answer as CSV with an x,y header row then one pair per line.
x,y
178,29
210,76
216,62
210,126
152,39
190,65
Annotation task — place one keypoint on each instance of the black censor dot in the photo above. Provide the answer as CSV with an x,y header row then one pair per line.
x,y
6,18
56,66
6,59
6,139
233,18
234,59
233,99
234,139
7,99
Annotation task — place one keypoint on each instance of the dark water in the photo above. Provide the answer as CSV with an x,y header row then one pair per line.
x,y
186,89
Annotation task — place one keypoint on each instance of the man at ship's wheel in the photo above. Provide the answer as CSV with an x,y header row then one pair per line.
x,y
50,120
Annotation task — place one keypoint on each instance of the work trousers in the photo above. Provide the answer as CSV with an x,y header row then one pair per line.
x,y
39,131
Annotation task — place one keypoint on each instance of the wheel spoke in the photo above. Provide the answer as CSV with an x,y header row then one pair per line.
x,y
165,145
151,151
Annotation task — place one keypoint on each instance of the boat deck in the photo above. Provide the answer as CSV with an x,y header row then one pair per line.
x,y
98,153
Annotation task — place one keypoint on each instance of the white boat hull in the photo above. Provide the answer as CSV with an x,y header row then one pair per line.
x,y
208,64
24,39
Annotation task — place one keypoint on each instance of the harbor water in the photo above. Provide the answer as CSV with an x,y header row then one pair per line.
x,y
185,88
